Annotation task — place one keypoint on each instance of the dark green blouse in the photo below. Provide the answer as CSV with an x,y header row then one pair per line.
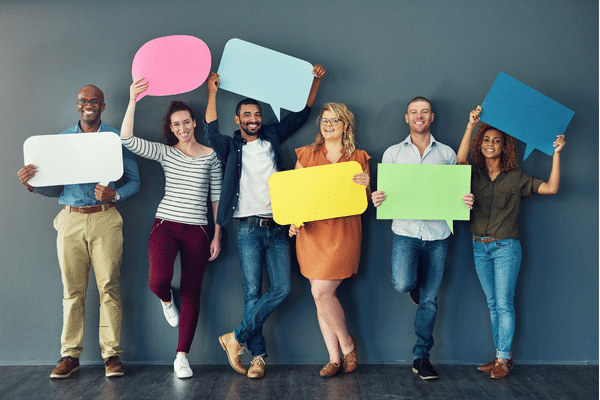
x,y
497,204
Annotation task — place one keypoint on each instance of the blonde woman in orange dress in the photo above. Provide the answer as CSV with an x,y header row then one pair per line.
x,y
328,251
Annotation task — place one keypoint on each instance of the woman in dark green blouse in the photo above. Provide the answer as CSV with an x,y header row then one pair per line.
x,y
498,189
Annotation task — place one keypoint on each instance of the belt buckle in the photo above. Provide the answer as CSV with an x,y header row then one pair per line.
x,y
263,223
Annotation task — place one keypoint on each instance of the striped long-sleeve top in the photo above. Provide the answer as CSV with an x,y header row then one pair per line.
x,y
188,180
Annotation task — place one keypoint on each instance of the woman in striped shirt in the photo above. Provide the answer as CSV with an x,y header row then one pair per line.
x,y
192,171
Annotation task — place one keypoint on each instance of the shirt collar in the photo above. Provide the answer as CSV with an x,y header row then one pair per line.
x,y
431,140
100,127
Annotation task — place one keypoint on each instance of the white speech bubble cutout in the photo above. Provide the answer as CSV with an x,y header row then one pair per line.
x,y
265,75
67,159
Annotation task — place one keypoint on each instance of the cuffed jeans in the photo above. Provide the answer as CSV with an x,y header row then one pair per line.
x,y
258,246
428,257
497,264
80,238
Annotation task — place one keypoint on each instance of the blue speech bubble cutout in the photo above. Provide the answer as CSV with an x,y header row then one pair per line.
x,y
525,114
265,75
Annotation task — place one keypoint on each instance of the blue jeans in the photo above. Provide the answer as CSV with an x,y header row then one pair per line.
x,y
497,264
258,246
428,257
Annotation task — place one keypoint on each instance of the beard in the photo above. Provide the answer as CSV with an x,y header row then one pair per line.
x,y
250,133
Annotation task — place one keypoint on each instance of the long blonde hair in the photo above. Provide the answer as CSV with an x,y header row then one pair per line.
x,y
341,112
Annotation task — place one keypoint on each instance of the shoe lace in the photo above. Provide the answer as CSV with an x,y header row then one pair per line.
x,y
112,358
170,311
258,360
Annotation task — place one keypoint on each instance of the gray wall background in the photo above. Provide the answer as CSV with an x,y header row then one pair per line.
x,y
378,56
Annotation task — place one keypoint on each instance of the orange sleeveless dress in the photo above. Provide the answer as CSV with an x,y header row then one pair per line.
x,y
330,249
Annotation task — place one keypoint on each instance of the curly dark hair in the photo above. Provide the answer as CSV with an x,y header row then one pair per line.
x,y
508,158
168,136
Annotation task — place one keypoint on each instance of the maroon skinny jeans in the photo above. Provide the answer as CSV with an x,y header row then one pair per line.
x,y
166,240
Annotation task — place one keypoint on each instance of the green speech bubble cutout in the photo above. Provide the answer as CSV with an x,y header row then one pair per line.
x,y
418,191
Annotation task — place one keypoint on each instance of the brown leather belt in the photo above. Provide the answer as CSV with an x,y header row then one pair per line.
x,y
481,240
89,209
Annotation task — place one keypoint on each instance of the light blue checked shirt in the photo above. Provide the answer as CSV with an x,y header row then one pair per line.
x,y
436,153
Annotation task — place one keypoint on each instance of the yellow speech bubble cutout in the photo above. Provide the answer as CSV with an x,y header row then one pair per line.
x,y
316,193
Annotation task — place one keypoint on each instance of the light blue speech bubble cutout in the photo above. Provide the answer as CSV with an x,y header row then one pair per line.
x,y
265,75
525,114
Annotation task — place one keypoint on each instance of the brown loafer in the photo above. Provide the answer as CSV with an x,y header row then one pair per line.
x,y
487,367
351,359
501,370
234,351
490,366
330,370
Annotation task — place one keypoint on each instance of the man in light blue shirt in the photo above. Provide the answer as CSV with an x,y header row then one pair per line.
x,y
419,246
89,229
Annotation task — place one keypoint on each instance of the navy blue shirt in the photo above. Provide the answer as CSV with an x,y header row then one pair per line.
x,y
229,151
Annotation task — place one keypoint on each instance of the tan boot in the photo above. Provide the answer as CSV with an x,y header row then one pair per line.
x,y
234,351
257,368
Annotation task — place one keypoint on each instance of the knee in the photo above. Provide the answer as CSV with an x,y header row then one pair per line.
x,y
401,286
321,294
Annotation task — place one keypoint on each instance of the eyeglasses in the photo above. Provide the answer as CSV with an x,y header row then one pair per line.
x,y
93,103
333,121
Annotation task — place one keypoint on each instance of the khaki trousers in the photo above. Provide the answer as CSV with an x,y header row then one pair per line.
x,y
95,237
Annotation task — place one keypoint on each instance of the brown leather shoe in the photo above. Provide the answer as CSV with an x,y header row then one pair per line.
x,y
501,370
490,366
351,359
113,367
330,370
66,366
234,351
257,368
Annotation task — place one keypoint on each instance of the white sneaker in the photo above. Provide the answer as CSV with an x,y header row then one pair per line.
x,y
182,366
171,312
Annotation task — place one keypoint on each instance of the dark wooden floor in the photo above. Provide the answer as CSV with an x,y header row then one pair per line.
x,y
301,382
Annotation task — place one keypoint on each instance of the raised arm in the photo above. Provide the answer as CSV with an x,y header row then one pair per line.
x,y
213,83
463,150
136,88
551,187
319,73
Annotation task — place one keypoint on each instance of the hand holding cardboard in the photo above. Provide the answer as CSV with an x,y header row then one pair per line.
x,y
74,158
316,193
171,65
265,75
525,114
417,191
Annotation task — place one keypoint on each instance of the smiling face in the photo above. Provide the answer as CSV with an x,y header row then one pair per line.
x,y
90,104
249,120
419,116
492,144
329,131
182,126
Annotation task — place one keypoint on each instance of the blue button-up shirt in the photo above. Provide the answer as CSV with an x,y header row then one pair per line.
x,y
81,195
436,153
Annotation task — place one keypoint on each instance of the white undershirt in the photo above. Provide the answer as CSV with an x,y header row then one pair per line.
x,y
258,164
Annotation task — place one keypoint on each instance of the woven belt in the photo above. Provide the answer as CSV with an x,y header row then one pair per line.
x,y
257,221
89,209
480,240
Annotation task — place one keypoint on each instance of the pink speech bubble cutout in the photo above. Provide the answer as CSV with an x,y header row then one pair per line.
x,y
171,65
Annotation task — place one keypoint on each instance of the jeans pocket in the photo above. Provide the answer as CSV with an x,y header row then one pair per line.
x,y
502,243
245,228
